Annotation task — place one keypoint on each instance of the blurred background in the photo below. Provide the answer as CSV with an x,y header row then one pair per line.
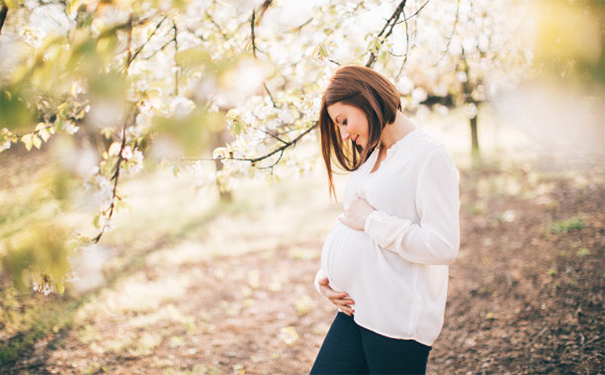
x,y
163,203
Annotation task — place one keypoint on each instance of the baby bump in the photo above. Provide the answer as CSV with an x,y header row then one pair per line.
x,y
344,254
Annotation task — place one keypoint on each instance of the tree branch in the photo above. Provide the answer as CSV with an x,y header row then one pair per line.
x,y
176,51
129,56
274,136
280,150
114,194
36,132
281,154
108,212
449,41
3,13
218,27
300,27
252,21
138,51
407,47
263,8
386,31
418,11
255,21
270,96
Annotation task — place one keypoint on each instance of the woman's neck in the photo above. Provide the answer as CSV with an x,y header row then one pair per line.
x,y
395,131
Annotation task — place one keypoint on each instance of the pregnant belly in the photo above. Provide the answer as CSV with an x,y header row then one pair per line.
x,y
344,255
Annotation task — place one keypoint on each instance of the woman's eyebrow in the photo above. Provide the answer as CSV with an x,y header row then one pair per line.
x,y
336,118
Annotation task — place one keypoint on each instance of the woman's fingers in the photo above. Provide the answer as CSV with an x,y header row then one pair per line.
x,y
340,299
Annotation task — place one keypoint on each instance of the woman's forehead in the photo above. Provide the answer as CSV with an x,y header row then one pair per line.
x,y
337,109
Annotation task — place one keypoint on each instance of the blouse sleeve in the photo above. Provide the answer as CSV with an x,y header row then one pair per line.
x,y
435,239
318,276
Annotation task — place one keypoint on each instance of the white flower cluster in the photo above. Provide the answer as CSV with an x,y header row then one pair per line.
x,y
70,128
44,288
134,161
200,175
5,139
104,190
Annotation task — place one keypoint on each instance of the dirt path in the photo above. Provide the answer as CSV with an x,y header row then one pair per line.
x,y
526,297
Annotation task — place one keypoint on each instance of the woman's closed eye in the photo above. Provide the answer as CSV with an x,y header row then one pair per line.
x,y
344,123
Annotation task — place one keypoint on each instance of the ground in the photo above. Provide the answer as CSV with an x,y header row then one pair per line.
x,y
228,289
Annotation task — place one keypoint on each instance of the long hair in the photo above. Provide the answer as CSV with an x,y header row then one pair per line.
x,y
367,90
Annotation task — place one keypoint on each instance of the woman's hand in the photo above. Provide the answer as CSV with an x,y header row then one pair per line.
x,y
355,216
339,299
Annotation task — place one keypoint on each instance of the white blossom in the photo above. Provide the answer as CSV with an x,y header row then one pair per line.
x,y
181,107
6,145
70,128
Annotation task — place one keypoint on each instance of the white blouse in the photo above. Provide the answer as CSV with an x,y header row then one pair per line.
x,y
396,270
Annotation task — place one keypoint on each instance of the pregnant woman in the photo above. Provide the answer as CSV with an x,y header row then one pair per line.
x,y
385,263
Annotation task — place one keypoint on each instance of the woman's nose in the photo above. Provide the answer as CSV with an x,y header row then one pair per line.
x,y
344,135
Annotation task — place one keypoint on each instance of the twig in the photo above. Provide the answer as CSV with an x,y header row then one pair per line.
x,y
158,50
114,193
390,25
129,56
280,149
300,27
274,136
281,154
132,22
138,51
220,29
270,96
176,51
263,8
267,155
252,36
255,21
418,11
449,41
407,47
35,132
108,213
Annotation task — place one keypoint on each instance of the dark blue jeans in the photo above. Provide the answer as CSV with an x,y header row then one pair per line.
x,y
351,349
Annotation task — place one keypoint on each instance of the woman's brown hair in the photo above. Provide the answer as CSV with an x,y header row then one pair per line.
x,y
367,90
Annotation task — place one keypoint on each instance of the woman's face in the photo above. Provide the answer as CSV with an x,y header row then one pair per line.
x,y
351,122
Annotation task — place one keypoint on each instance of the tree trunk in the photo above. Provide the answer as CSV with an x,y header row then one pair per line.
x,y
3,12
475,151
220,139
224,194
